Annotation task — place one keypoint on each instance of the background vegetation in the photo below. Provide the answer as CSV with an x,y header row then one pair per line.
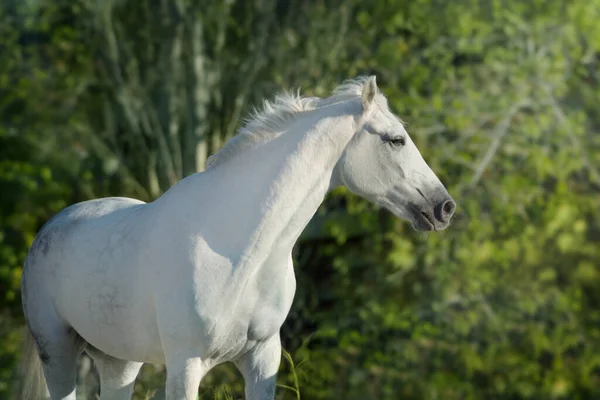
x,y
123,97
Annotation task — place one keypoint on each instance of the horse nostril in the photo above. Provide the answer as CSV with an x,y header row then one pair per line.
x,y
444,210
448,208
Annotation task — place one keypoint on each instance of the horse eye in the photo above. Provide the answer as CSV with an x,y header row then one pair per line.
x,y
398,141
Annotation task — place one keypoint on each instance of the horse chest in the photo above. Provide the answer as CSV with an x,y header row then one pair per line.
x,y
274,296
257,312
224,314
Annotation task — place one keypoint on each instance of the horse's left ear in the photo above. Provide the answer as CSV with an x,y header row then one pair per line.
x,y
368,92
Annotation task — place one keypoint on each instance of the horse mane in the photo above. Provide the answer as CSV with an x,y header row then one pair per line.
x,y
267,123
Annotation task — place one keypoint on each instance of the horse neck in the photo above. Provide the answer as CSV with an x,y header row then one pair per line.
x,y
304,180
283,183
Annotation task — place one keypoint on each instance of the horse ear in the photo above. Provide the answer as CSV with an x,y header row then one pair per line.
x,y
368,92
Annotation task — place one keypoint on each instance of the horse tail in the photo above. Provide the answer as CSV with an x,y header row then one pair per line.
x,y
33,383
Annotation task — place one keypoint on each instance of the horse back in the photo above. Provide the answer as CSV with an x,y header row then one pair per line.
x,y
80,216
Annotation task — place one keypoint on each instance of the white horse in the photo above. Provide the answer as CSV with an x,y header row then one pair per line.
x,y
204,274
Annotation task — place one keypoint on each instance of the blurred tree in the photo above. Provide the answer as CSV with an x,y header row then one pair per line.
x,y
125,98
218,57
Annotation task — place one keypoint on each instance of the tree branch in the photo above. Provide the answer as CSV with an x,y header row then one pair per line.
x,y
563,120
499,133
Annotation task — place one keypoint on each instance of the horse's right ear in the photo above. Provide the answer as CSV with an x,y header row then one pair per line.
x,y
368,92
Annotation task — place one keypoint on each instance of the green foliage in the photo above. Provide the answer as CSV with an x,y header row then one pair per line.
x,y
493,308
124,98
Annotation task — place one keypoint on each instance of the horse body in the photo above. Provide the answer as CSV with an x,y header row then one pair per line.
x,y
204,274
